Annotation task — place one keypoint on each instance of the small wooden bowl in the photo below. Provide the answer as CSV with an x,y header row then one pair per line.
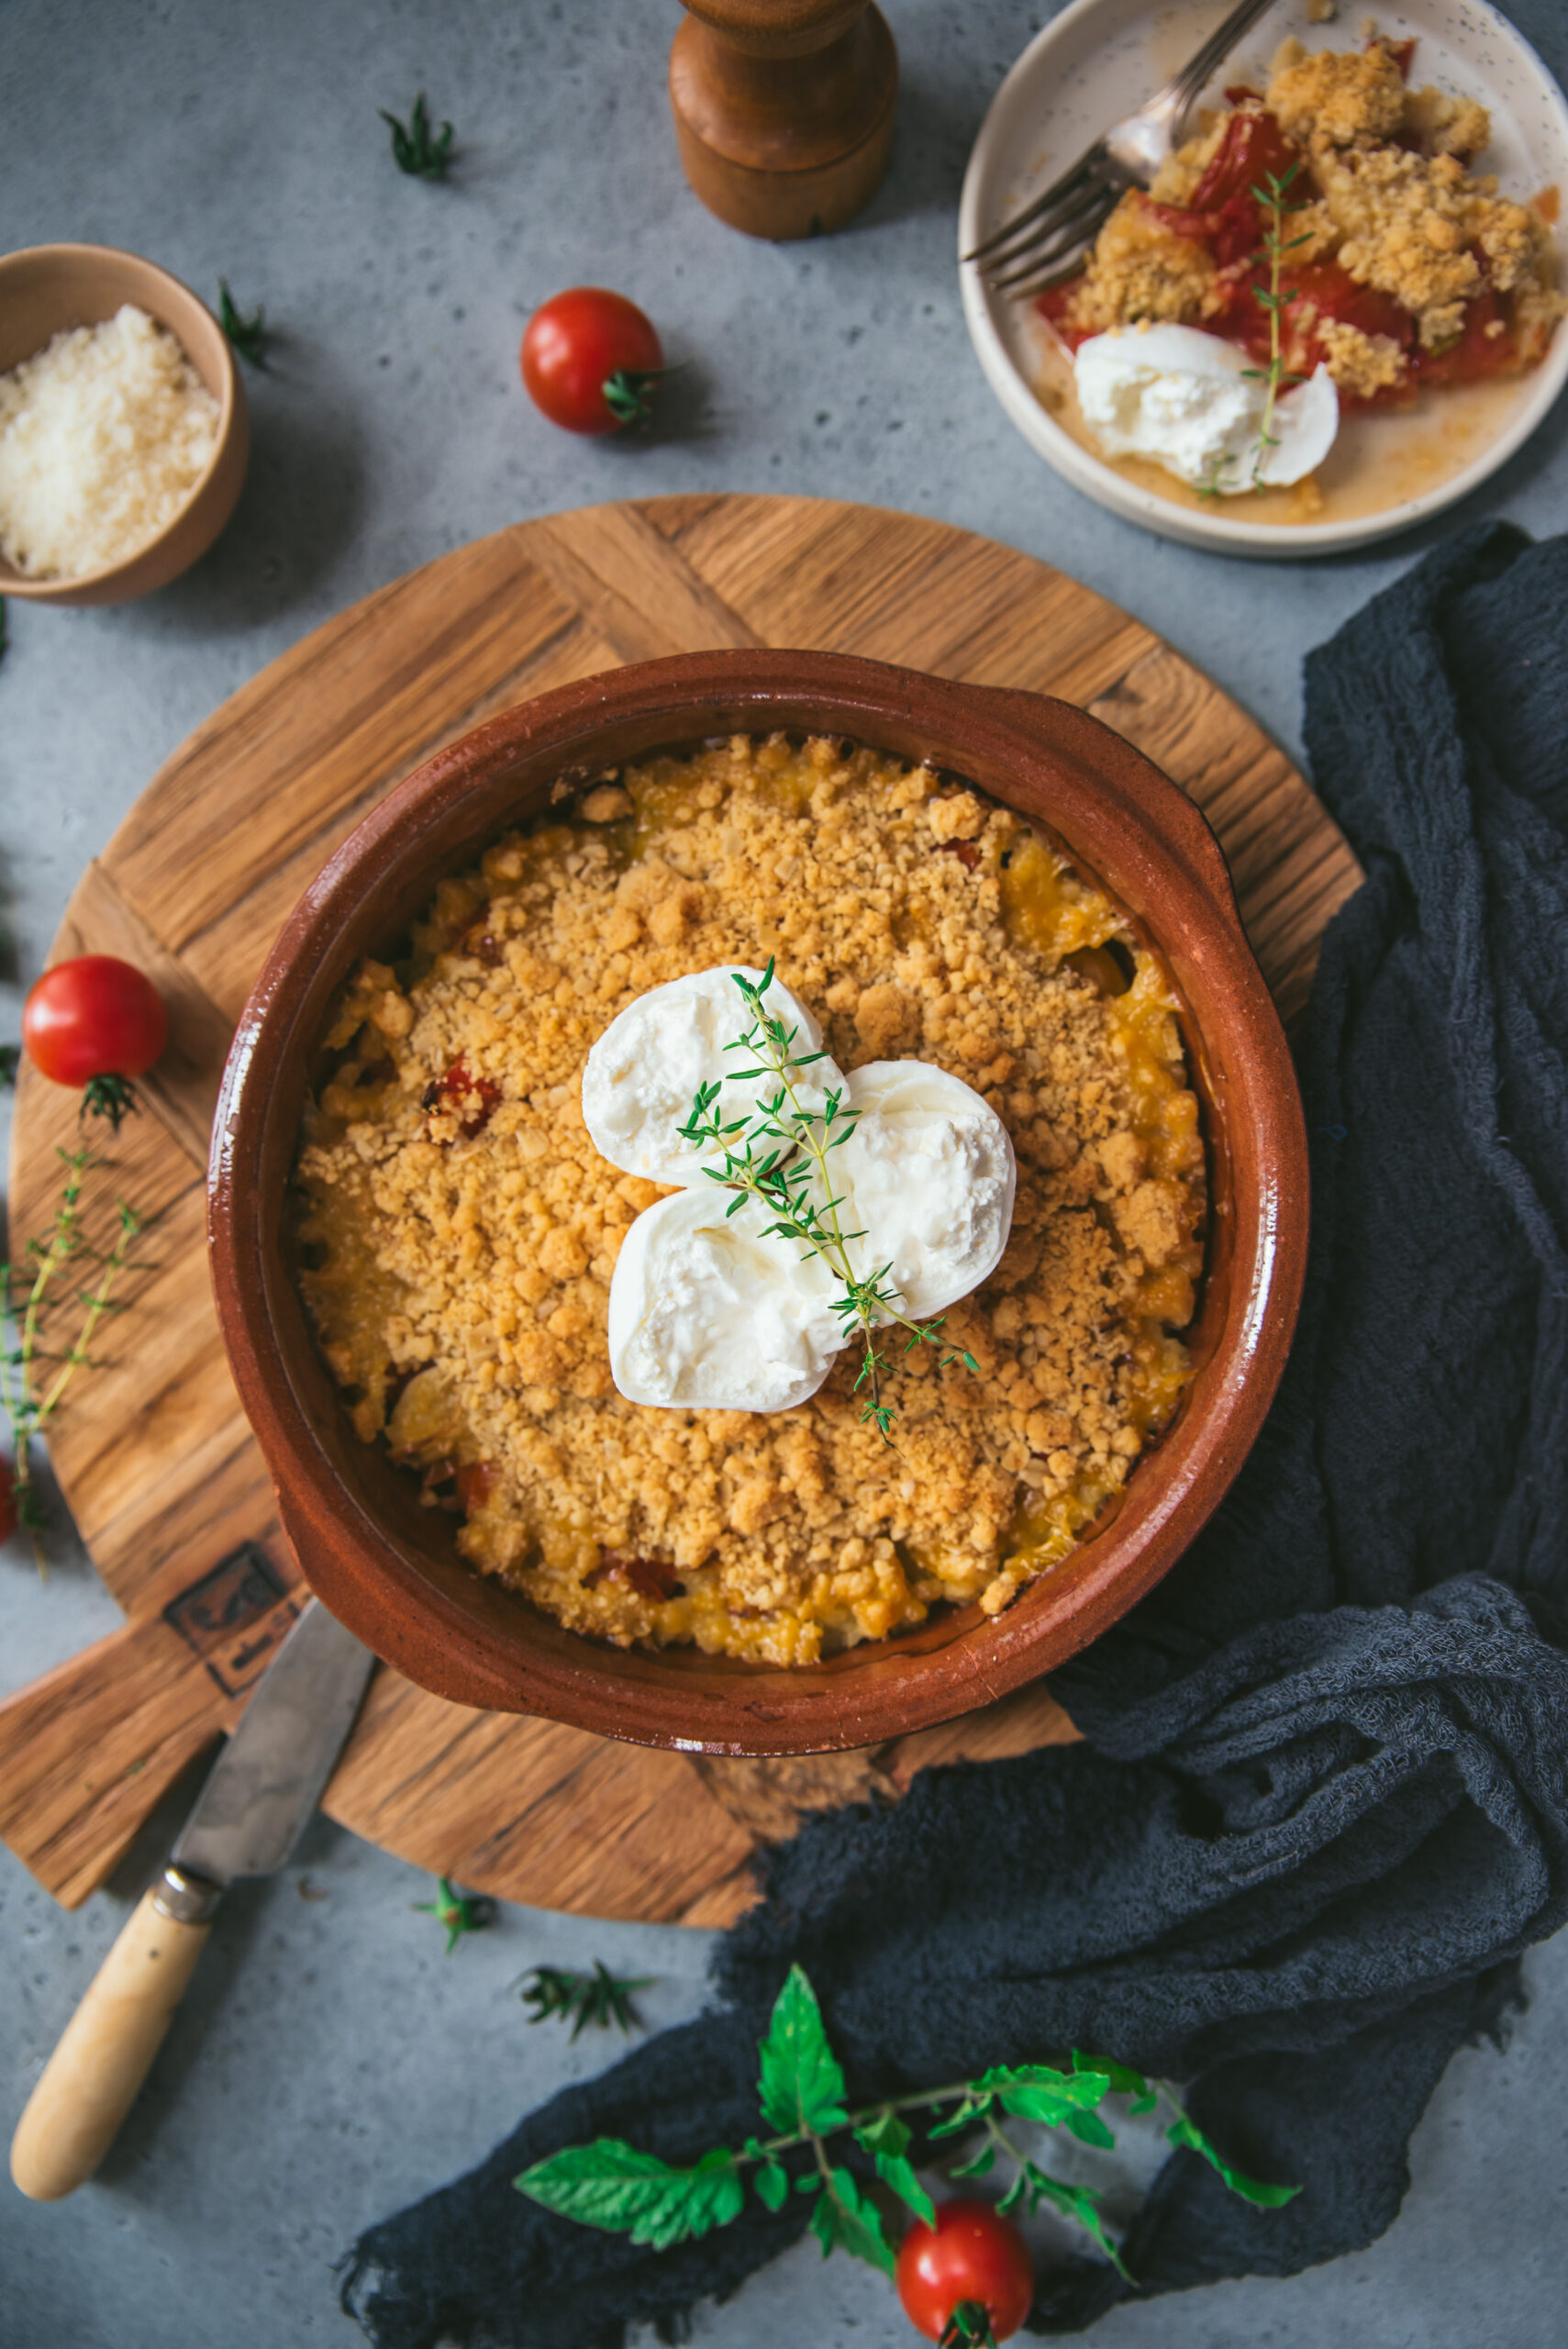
x,y
392,1571
46,288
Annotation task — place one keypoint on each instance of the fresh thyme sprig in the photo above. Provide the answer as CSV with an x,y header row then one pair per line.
x,y
26,1305
249,336
413,148
615,2185
601,1998
1275,298
782,1179
1272,197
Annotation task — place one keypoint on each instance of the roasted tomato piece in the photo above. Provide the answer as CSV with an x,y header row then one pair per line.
x,y
1228,231
475,1483
1314,292
1253,146
654,1579
1487,344
1223,214
484,945
469,1099
1053,306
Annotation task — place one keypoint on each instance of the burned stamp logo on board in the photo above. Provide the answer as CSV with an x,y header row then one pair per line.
x,y
234,1618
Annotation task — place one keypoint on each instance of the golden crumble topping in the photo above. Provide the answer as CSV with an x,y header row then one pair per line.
x,y
1337,97
1421,229
1362,365
1141,268
458,1230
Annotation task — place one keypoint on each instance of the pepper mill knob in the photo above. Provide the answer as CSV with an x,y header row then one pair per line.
x,y
783,110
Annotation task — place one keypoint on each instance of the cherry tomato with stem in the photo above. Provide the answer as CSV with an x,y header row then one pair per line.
x,y
592,360
96,1022
969,2279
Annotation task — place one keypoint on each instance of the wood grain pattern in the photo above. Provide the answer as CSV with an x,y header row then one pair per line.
x,y
154,1457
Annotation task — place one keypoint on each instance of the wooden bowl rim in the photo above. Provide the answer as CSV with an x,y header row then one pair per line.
x,y
874,1693
89,585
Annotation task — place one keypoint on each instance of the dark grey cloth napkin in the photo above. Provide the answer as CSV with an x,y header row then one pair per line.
x,y
1323,1805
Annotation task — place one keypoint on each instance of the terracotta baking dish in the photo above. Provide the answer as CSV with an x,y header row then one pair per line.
x,y
392,1571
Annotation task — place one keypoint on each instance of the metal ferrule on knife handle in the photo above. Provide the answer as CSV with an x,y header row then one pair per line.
x,y
185,1896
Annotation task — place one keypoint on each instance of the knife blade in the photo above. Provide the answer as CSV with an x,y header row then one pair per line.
x,y
248,1816
267,1781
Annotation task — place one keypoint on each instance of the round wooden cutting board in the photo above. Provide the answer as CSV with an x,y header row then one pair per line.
x,y
153,1452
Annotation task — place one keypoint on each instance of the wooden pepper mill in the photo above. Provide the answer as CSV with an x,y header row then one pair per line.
x,y
783,110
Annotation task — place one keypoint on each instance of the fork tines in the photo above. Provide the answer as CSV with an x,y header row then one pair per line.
x,y
1043,242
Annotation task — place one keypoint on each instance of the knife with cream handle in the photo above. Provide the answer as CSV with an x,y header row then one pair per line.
x,y
248,1816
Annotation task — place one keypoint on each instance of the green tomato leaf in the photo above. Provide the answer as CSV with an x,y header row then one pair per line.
x,y
1015,2194
886,2139
1089,2128
1037,2092
842,2219
885,2134
1145,2103
977,2164
1124,2080
897,2172
802,2083
1074,2202
1186,2132
614,2185
771,2183
967,2114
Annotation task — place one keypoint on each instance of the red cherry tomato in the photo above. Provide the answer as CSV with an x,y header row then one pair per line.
x,y
970,2253
591,360
93,1016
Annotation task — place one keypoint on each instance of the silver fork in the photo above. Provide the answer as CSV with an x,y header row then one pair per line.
x,y
1045,242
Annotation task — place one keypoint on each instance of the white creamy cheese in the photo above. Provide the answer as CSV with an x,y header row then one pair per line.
x,y
929,1174
708,1314
1195,404
640,1076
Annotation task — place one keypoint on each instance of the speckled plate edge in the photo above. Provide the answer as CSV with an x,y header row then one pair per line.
x,y
1501,59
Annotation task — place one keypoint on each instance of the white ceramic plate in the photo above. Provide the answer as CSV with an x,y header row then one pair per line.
x,y
1099,60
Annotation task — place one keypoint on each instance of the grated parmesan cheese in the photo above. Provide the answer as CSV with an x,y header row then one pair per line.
x,y
104,436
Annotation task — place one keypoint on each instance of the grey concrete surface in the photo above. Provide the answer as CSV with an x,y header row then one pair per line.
x,y
331,2061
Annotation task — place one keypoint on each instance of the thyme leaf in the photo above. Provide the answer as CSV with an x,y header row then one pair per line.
x,y
248,335
600,1998
413,150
